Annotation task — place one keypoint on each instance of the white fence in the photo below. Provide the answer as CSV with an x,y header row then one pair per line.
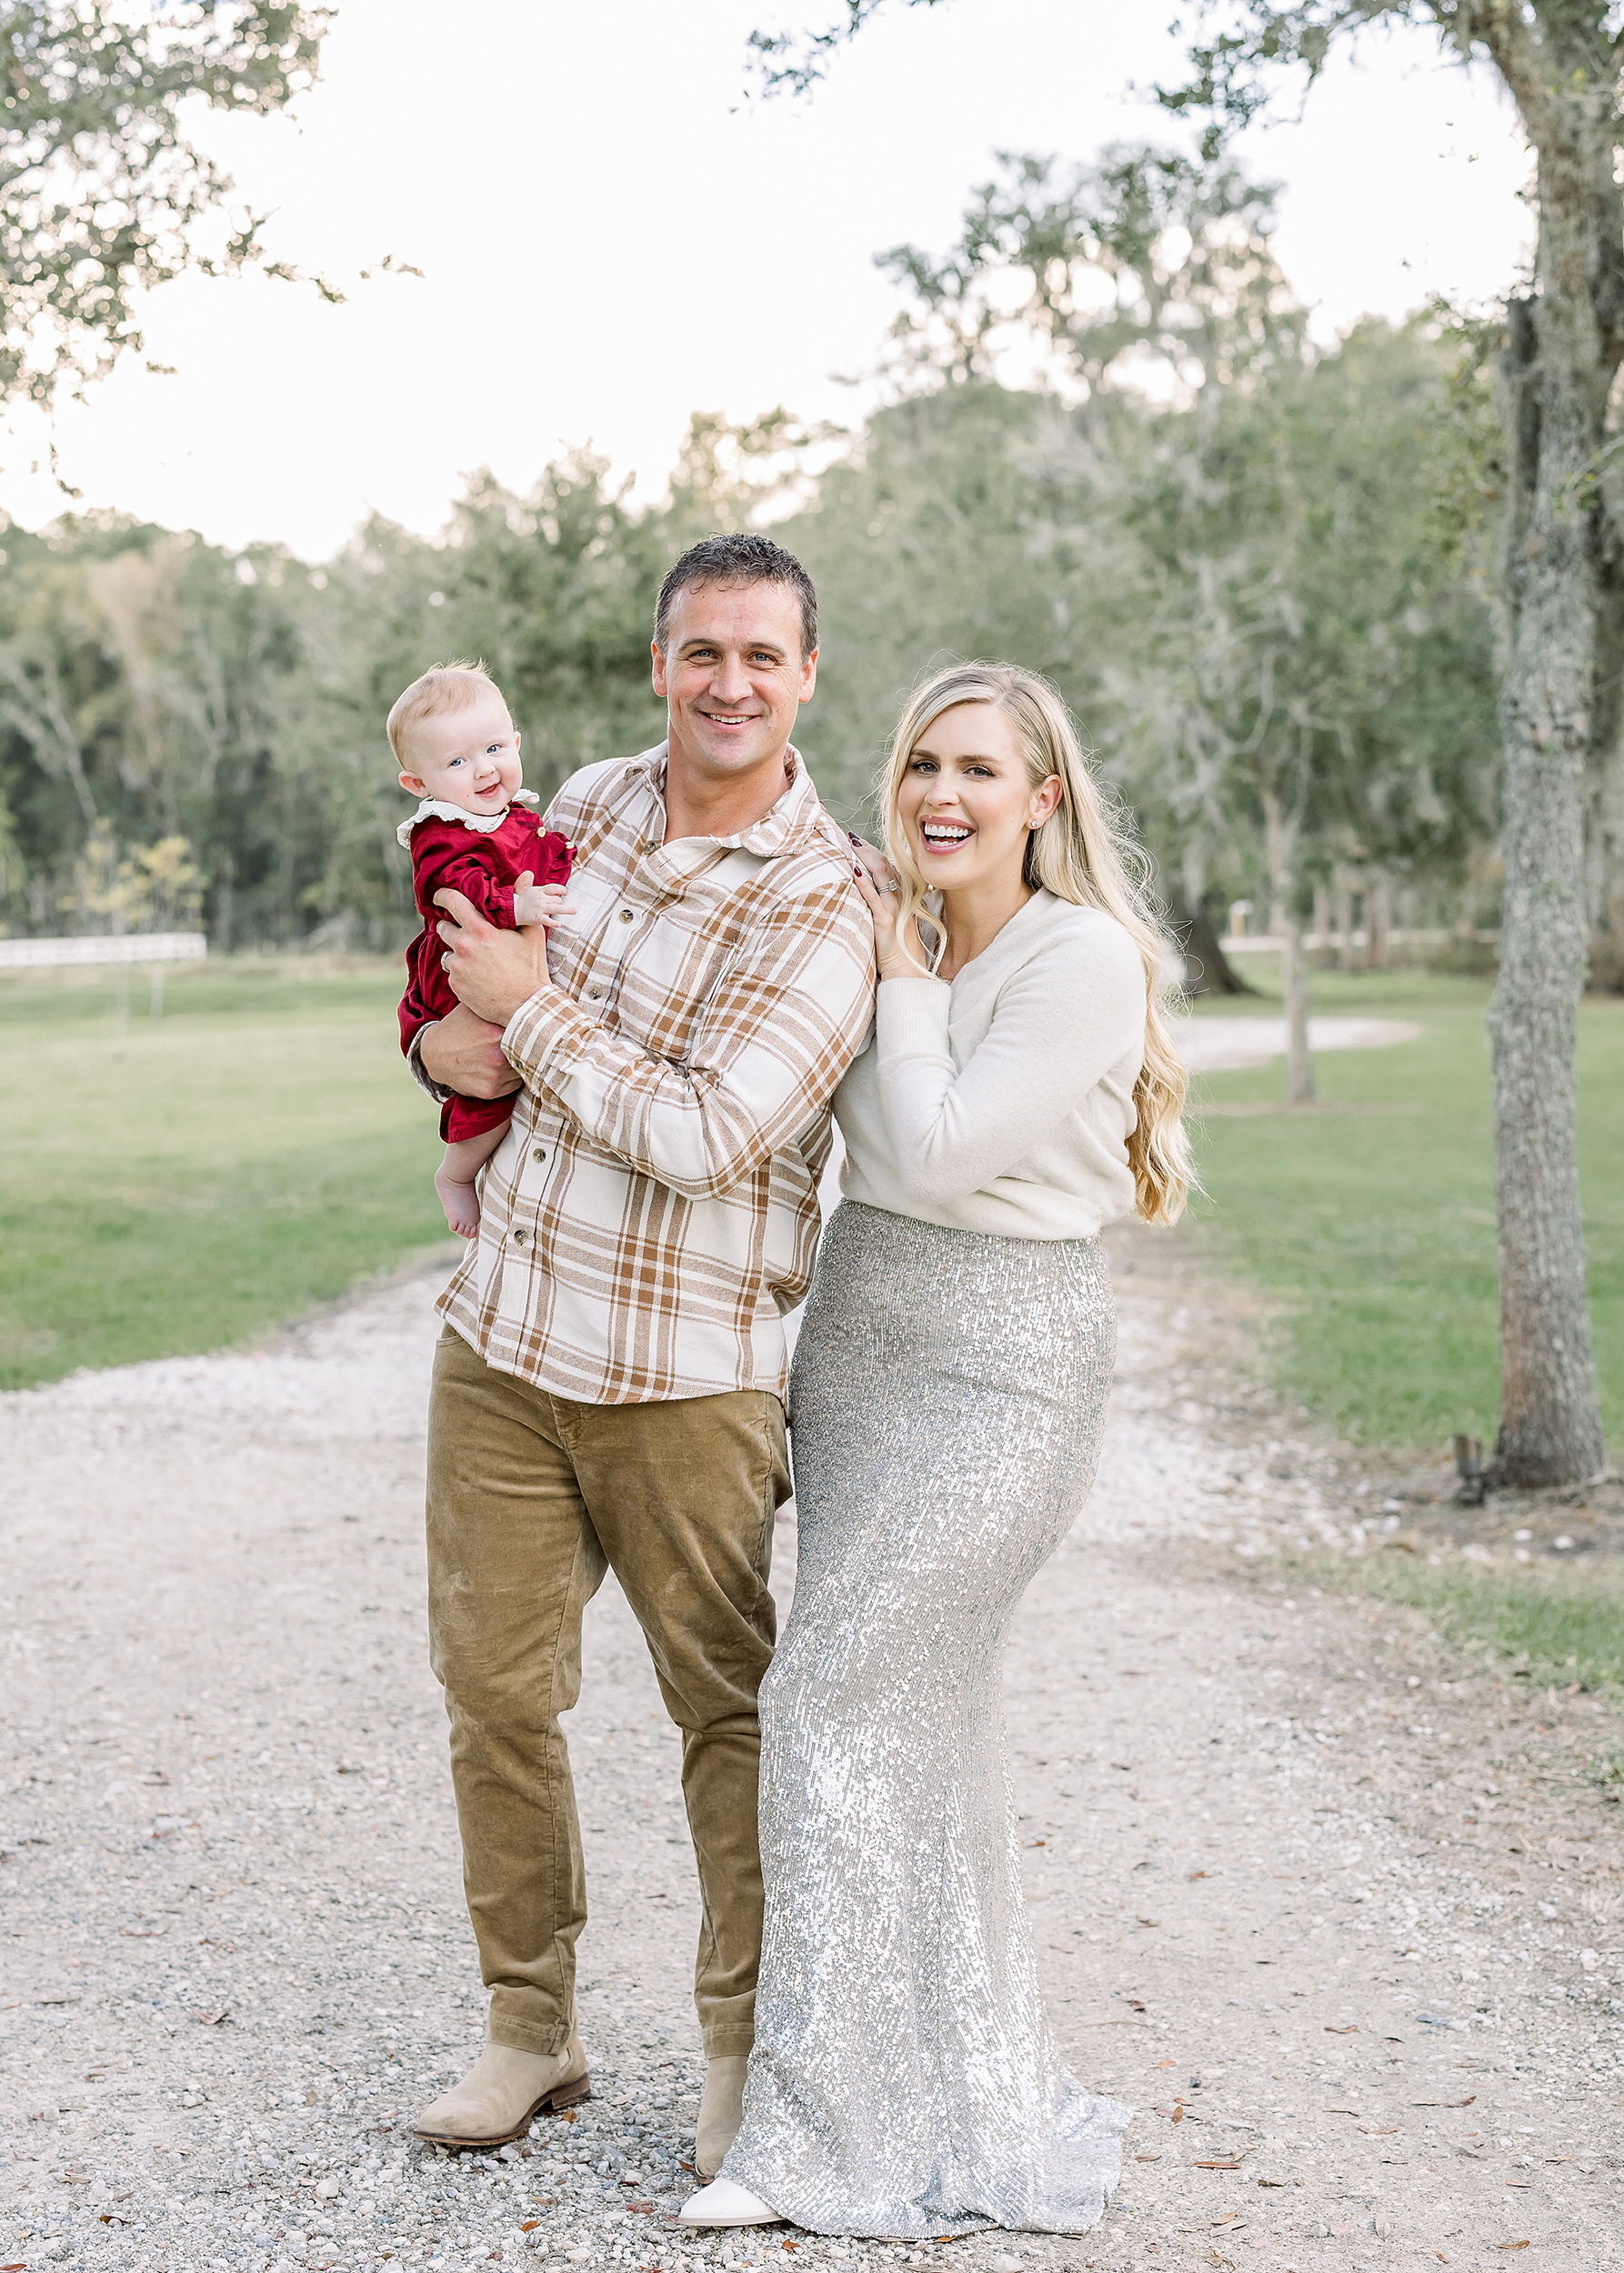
x,y
133,947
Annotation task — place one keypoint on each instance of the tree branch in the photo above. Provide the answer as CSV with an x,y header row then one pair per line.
x,y
794,63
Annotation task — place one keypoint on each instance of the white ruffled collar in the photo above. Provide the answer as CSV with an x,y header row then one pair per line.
x,y
436,809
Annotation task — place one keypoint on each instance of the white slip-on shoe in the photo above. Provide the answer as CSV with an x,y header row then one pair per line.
x,y
722,2203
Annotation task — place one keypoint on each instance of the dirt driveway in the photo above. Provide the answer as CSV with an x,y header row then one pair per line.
x,y
1341,1915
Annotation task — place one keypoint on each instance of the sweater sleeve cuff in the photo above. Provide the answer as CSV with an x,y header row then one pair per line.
x,y
911,1017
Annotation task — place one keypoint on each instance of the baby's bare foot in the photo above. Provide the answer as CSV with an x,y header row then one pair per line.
x,y
461,1202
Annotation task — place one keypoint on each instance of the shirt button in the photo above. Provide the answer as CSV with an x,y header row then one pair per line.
x,y
519,1238
626,914
539,1153
595,994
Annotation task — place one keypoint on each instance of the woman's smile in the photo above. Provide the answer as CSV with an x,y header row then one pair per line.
x,y
942,833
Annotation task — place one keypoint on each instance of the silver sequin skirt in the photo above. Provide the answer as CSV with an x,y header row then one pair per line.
x,y
946,1407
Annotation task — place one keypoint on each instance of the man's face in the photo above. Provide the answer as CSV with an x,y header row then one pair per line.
x,y
733,675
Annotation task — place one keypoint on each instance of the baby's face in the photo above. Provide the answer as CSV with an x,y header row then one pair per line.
x,y
467,757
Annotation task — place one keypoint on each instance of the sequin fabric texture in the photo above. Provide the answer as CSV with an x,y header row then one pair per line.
x,y
946,1405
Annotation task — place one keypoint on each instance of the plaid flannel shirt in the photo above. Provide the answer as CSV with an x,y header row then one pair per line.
x,y
652,1214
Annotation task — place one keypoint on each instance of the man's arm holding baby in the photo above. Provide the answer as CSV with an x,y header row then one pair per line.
x,y
461,1052
779,1031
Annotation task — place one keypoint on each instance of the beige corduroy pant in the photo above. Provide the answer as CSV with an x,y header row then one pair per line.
x,y
531,1498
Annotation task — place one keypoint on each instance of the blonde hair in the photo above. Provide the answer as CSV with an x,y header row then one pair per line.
x,y
1083,853
444,687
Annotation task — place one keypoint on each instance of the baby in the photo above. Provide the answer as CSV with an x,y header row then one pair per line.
x,y
457,749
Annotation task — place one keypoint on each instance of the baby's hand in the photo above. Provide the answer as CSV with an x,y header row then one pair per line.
x,y
538,902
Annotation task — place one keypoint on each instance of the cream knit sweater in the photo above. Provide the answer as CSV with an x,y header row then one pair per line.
x,y
1002,1102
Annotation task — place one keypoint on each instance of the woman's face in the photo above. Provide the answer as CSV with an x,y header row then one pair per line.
x,y
967,803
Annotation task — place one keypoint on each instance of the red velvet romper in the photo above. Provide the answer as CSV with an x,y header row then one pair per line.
x,y
462,853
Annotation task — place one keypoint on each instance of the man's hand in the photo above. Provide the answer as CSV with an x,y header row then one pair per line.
x,y
461,1052
493,973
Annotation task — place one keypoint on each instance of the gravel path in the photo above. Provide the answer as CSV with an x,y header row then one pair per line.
x,y
1210,1045
1339,1913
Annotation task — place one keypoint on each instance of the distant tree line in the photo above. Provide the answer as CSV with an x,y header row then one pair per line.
x,y
1255,566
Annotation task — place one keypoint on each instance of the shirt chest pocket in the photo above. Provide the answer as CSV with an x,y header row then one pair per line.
x,y
656,975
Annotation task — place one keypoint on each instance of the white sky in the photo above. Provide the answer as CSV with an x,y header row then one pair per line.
x,y
610,242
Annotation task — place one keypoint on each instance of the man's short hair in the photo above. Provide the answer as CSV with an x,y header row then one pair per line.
x,y
443,688
743,559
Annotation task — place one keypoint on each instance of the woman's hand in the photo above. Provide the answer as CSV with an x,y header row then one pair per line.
x,y
882,898
869,857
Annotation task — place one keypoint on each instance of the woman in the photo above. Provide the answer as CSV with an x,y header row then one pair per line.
x,y
947,1400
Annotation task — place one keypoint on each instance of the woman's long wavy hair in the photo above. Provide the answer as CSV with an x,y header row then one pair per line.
x,y
1083,853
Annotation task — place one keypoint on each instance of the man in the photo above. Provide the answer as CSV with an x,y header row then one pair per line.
x,y
608,1390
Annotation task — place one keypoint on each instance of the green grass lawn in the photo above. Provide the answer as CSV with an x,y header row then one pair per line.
x,y
255,1150
1562,1625
259,1148
1374,1225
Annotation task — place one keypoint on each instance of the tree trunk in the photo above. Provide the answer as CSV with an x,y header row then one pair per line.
x,y
1555,379
222,903
1207,969
1344,897
1378,920
1605,868
1280,840
1294,981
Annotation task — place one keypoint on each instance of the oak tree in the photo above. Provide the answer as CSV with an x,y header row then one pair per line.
x,y
103,195
1562,584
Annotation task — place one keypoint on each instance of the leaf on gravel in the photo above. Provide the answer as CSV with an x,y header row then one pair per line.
x,y
1353,2111
529,2225
1136,2004
1166,2063
1351,2029
1195,1873
1215,2166
211,2020
1510,2245
1378,2130
1147,2158
1445,2103
1149,1921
